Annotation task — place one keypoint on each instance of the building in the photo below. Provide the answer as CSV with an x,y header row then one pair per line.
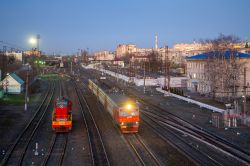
x,y
17,55
33,52
104,56
198,74
123,49
12,84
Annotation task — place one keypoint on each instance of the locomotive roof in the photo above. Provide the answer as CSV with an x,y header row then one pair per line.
x,y
116,94
119,98
62,99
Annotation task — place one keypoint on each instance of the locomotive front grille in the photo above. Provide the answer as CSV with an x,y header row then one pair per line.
x,y
129,124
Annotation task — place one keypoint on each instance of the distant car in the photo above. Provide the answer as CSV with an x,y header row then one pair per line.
x,y
103,78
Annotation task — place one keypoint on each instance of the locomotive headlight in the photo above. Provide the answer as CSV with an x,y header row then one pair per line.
x,y
128,106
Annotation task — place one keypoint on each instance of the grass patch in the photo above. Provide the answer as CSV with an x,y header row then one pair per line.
x,y
12,99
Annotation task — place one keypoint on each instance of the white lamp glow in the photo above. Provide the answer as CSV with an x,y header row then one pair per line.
x,y
32,41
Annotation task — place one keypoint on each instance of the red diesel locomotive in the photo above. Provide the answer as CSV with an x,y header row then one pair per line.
x,y
62,115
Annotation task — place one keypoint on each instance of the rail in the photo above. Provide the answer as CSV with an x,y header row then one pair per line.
x,y
25,134
96,142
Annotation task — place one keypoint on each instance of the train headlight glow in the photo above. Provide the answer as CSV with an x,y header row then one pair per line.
x,y
128,106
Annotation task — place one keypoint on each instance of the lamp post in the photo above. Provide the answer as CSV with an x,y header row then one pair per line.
x,y
35,42
32,41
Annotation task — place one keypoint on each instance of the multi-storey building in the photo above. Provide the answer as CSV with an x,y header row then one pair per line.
x,y
104,56
123,49
198,81
17,55
33,52
142,53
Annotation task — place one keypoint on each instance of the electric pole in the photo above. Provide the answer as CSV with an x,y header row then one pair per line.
x,y
4,62
26,90
144,79
167,69
245,93
37,42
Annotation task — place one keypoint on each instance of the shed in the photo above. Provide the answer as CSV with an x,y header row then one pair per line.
x,y
13,84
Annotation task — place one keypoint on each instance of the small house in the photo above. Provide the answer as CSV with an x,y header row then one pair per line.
x,y
12,84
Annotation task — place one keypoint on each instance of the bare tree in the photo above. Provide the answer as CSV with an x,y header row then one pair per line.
x,y
223,67
84,56
126,58
154,61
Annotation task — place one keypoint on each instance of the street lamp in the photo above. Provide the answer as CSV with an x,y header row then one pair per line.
x,y
35,42
32,41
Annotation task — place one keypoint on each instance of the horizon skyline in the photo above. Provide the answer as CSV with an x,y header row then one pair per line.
x,y
66,27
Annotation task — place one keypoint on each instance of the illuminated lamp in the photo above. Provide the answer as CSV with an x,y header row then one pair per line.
x,y
128,106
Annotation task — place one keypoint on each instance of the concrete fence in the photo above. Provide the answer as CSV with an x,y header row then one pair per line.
x,y
202,105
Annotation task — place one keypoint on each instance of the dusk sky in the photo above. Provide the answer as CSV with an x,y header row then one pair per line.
x,y
68,25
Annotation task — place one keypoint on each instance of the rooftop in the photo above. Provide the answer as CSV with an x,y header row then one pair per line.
x,y
226,54
17,78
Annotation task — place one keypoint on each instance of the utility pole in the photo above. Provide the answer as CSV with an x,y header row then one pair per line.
x,y
144,79
37,42
117,74
167,69
245,93
4,62
26,90
71,67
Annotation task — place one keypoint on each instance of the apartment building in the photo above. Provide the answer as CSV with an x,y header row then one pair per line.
x,y
197,68
104,56
17,55
123,49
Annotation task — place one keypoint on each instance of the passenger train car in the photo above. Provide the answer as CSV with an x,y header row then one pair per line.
x,y
124,111
62,115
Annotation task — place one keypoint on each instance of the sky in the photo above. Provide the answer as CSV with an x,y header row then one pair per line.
x,y
65,26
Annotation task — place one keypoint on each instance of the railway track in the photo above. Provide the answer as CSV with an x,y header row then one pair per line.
x,y
212,140
97,149
57,149
199,134
58,144
140,149
17,151
143,153
180,142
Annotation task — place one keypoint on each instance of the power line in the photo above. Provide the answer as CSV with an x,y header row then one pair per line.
x,y
11,45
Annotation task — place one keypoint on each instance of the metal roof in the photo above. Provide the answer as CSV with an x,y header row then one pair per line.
x,y
17,78
227,54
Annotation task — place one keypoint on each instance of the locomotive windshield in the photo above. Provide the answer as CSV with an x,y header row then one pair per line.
x,y
126,112
61,102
